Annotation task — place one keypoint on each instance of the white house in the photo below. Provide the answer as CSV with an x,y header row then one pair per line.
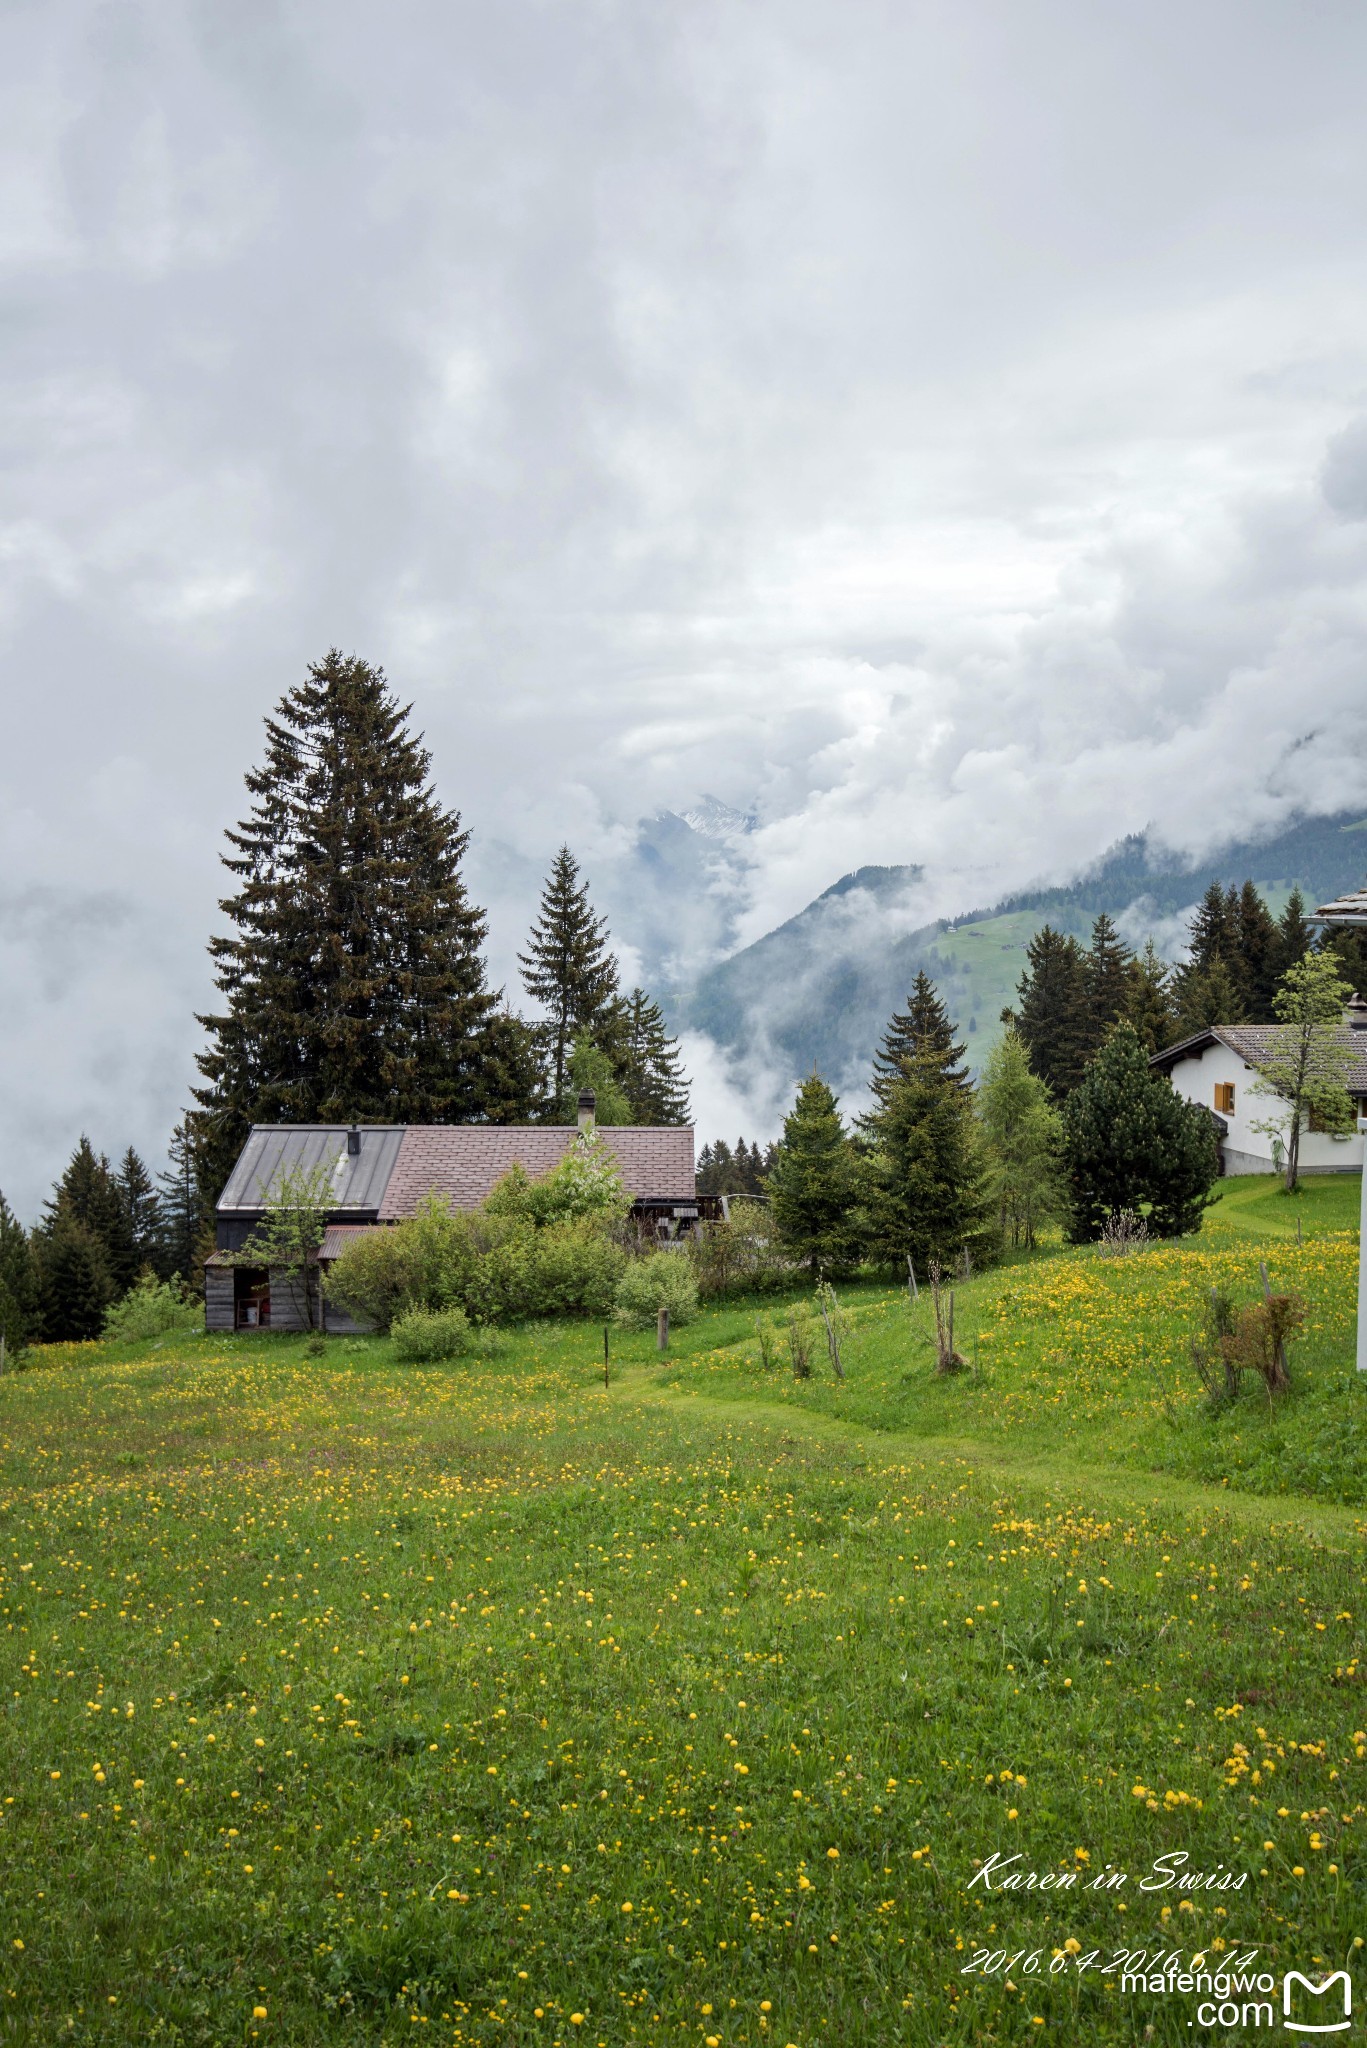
x,y
1218,1068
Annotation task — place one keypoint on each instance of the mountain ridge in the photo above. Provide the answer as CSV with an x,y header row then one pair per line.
x,y
817,991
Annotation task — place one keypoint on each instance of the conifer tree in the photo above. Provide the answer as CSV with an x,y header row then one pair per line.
x,y
1149,1011
1294,937
1207,995
924,1171
921,1031
1131,1142
1259,954
1024,1144
18,1283
88,1194
813,1188
651,1065
75,1285
506,1086
1052,1014
1211,987
1108,976
569,970
186,1217
1213,933
352,980
141,1215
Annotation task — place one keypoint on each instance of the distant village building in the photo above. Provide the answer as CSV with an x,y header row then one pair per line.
x,y
1218,1067
381,1172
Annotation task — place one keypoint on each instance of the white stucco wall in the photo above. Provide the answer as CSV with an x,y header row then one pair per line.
x,y
1247,1150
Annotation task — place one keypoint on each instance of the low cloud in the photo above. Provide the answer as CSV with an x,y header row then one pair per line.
x,y
937,433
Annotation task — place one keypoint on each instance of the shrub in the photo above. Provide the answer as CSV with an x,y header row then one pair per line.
x,y
1234,1341
740,1254
1131,1140
1122,1233
661,1280
427,1262
572,1269
427,1336
151,1308
495,1263
585,1184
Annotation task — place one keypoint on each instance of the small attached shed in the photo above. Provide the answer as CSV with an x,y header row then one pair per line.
x,y
381,1172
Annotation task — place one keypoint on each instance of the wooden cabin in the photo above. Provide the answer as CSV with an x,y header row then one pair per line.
x,y
380,1173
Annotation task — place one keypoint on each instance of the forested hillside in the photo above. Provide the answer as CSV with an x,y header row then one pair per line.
x,y
819,989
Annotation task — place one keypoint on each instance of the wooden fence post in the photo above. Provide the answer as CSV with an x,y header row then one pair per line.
x,y
662,1330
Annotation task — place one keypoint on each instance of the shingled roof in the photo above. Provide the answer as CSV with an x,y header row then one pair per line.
x,y
466,1161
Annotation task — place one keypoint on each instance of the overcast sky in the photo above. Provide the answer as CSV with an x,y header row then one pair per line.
x,y
942,429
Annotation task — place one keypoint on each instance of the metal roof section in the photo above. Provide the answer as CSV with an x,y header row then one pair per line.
x,y
359,1178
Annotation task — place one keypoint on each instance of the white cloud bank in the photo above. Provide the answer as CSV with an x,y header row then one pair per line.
x,y
942,429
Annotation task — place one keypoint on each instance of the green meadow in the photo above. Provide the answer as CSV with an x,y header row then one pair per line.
x,y
349,1701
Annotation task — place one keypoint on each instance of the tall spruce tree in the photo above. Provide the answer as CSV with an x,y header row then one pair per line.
x,y
1207,995
1024,1142
814,1185
1108,976
651,1065
352,980
1052,1015
1294,936
89,1195
19,1300
921,1031
1213,933
1211,987
924,1169
569,970
75,1285
142,1215
1149,1011
1259,954
186,1216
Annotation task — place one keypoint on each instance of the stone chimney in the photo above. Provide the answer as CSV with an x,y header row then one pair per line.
x,y
588,1104
1355,1013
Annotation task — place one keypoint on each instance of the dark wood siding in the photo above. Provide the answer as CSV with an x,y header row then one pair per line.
x,y
219,1312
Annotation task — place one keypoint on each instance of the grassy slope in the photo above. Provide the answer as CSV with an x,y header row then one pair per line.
x,y
378,1695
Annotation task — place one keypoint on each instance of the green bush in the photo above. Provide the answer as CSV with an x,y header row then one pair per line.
x,y
492,1263
572,1269
427,1262
741,1255
427,1336
662,1280
151,1308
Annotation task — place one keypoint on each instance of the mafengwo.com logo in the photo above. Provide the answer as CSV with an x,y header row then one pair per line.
x,y
1245,2000
1325,2007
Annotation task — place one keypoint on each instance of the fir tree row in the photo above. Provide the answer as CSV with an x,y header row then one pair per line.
x,y
101,1228
1072,996
938,1172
